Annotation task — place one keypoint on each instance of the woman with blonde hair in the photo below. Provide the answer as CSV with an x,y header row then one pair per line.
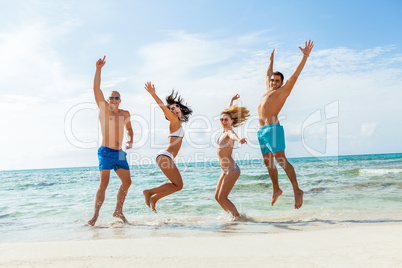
x,y
175,112
233,116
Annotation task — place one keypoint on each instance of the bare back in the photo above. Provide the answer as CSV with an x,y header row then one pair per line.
x,y
112,126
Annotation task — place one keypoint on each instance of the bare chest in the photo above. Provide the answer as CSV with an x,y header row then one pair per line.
x,y
270,99
112,120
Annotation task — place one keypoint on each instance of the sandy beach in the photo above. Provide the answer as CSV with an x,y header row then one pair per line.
x,y
366,245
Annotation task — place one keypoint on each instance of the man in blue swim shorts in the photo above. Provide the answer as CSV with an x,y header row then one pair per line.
x,y
110,154
112,159
271,136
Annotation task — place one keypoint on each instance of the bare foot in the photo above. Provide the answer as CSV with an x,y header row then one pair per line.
x,y
120,215
93,220
299,199
152,204
275,196
244,218
235,217
147,196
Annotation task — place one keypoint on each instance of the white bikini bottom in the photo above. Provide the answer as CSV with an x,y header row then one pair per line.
x,y
235,167
165,153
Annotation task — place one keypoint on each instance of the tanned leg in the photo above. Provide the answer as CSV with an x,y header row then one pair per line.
x,y
290,172
218,189
100,195
273,174
125,178
170,170
228,181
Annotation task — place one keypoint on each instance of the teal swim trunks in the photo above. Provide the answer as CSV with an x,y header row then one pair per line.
x,y
112,159
271,138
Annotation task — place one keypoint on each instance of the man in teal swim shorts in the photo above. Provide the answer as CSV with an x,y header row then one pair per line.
x,y
111,156
271,136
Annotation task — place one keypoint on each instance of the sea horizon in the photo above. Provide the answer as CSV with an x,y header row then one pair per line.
x,y
321,158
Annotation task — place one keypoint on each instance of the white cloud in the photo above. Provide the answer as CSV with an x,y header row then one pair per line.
x,y
207,70
207,79
181,53
30,65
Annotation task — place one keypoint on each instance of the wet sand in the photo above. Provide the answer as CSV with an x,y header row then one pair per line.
x,y
375,245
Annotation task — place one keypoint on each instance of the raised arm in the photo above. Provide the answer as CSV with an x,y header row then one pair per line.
x,y
99,98
151,89
270,69
235,97
293,78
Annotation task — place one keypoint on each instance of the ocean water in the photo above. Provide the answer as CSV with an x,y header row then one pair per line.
x,y
55,204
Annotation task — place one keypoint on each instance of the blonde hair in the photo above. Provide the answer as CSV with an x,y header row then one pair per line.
x,y
237,114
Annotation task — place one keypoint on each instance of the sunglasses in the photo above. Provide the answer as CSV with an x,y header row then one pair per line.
x,y
174,106
114,98
225,119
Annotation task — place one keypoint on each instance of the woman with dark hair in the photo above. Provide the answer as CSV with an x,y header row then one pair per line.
x,y
176,112
233,116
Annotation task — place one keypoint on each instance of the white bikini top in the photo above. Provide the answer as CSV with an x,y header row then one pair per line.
x,y
221,141
179,133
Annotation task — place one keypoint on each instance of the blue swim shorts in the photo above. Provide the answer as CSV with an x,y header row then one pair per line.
x,y
271,138
112,159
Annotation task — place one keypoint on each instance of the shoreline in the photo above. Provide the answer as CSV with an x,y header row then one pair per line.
x,y
359,245
159,226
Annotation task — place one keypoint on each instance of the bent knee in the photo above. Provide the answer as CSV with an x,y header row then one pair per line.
x,y
127,183
221,199
269,163
271,167
282,161
179,186
102,187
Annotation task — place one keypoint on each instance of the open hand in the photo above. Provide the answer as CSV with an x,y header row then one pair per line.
x,y
235,97
307,47
100,63
272,55
150,87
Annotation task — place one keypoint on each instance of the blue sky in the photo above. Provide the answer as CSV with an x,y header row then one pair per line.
x,y
345,102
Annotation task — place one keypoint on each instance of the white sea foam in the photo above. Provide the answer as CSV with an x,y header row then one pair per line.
x,y
379,171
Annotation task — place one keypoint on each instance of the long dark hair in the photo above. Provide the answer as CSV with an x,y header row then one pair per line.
x,y
173,98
